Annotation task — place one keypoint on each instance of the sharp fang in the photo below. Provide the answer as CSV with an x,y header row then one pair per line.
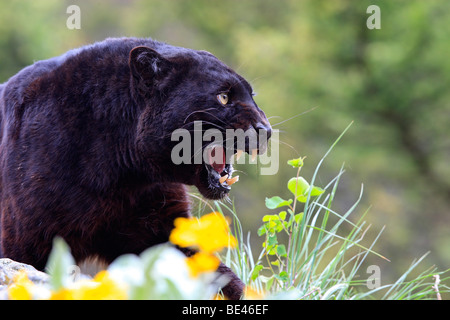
x,y
222,179
239,154
232,180
254,154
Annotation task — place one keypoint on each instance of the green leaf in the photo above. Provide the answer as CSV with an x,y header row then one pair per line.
x,y
269,283
296,163
301,188
288,224
270,217
298,186
282,215
277,202
255,272
271,225
279,226
316,191
281,250
275,263
60,265
272,240
283,276
262,230
298,217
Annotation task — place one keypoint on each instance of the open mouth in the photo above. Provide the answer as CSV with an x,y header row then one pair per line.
x,y
213,176
216,178
220,171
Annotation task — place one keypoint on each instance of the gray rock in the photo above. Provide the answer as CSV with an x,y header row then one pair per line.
x,y
9,268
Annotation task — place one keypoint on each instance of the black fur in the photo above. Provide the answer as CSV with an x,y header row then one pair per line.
x,y
85,147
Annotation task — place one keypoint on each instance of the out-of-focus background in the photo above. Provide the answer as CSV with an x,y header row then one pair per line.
x,y
315,57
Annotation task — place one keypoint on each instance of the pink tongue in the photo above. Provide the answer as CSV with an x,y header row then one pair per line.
x,y
217,159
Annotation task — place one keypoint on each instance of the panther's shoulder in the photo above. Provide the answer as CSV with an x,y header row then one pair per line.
x,y
89,53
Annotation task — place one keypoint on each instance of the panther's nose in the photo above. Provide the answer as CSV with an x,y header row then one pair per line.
x,y
264,132
264,127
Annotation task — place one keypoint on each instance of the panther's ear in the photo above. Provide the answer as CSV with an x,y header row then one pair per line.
x,y
148,69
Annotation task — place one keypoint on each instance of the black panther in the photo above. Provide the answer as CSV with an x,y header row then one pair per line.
x,y
85,149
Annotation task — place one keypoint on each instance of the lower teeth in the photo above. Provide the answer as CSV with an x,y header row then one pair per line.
x,y
228,181
223,179
232,180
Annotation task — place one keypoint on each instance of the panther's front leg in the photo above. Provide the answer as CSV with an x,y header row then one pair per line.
x,y
154,215
234,288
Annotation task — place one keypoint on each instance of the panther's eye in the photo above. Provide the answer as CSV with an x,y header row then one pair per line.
x,y
223,98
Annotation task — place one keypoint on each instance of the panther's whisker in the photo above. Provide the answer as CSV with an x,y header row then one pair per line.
x,y
240,66
206,122
197,152
190,114
285,143
191,130
202,201
297,115
227,198
239,171
214,117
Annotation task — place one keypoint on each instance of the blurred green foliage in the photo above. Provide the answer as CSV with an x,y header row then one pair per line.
x,y
316,67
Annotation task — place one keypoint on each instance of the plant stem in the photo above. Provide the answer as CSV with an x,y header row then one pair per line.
x,y
292,227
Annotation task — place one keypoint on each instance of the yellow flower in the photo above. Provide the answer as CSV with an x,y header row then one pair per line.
x,y
253,294
202,262
219,296
102,287
21,288
209,234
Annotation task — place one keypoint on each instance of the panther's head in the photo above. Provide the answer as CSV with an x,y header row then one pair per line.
x,y
198,116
